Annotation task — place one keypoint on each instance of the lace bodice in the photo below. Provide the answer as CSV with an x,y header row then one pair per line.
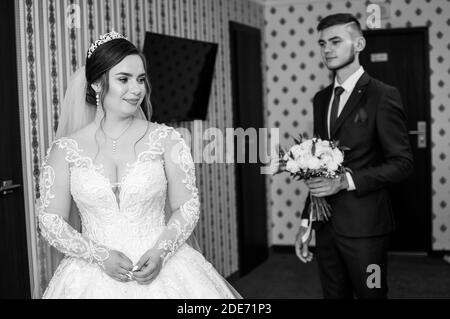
x,y
135,220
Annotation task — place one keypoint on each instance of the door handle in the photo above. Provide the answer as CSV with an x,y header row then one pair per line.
x,y
7,187
421,133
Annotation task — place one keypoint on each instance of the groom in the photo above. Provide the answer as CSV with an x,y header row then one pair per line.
x,y
367,116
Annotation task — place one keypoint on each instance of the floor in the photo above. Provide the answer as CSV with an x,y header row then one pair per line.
x,y
284,276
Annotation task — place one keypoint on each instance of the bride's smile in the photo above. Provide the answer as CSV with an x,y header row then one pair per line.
x,y
126,87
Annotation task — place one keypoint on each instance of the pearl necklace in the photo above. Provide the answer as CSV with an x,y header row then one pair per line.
x,y
115,140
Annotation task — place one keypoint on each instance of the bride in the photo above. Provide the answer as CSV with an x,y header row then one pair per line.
x,y
119,169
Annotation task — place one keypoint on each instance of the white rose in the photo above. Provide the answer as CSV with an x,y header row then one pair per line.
x,y
332,166
338,156
292,166
313,163
326,158
296,150
302,162
306,144
320,143
320,149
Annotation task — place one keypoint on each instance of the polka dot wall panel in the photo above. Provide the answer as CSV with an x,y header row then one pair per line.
x,y
295,73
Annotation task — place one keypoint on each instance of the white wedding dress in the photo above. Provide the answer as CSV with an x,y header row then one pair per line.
x,y
131,223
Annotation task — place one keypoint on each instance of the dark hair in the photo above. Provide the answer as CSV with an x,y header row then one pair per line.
x,y
98,65
338,19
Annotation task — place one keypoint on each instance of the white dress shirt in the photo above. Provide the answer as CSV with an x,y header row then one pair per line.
x,y
348,87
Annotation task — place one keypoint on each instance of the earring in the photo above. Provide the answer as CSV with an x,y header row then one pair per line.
x,y
99,112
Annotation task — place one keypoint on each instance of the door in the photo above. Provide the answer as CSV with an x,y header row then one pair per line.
x,y
14,275
399,57
246,66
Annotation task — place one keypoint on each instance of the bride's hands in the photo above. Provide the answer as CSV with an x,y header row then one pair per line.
x,y
118,266
148,267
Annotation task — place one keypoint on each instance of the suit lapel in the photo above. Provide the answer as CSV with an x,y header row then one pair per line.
x,y
352,102
323,112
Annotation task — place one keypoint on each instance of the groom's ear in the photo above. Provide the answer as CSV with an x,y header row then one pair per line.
x,y
360,44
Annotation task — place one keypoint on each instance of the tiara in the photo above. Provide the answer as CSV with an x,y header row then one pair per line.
x,y
103,39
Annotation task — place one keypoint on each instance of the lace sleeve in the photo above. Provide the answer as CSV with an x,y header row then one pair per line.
x,y
183,196
53,209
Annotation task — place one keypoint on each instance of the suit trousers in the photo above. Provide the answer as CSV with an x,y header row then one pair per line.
x,y
351,267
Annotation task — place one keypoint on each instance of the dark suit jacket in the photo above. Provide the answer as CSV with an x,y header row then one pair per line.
x,y
372,124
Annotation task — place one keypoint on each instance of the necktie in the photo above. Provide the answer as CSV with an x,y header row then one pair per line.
x,y
338,90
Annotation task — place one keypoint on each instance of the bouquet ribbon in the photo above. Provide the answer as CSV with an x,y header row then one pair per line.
x,y
319,210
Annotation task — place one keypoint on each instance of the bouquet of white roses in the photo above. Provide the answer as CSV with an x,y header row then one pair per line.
x,y
309,158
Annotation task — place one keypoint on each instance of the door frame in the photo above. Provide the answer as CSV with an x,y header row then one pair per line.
x,y
234,26
17,50
26,155
424,31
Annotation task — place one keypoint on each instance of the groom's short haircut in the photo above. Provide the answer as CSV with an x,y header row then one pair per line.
x,y
339,19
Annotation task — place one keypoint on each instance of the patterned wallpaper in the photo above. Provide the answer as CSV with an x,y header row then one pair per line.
x,y
49,52
295,73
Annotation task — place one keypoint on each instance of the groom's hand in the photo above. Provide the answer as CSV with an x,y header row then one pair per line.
x,y
321,186
301,248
